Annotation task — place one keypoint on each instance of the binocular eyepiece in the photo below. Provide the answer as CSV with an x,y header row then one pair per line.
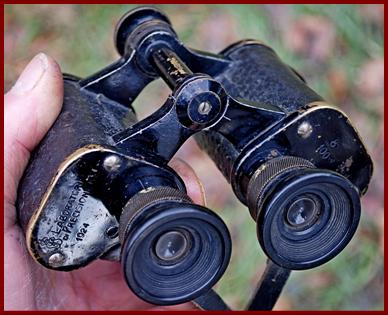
x,y
305,216
106,190
172,250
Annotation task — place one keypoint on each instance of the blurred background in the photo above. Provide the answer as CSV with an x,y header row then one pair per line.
x,y
339,49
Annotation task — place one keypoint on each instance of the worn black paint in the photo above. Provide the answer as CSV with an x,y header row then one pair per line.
x,y
256,103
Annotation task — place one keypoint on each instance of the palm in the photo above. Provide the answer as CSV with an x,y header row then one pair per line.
x,y
97,286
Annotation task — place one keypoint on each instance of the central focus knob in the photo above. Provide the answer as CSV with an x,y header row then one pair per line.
x,y
171,246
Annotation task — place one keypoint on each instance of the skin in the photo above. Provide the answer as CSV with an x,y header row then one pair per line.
x,y
31,107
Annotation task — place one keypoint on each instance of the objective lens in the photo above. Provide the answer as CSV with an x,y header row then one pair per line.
x,y
302,212
171,246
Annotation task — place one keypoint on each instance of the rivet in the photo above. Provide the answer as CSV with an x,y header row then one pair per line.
x,y
112,163
56,259
305,129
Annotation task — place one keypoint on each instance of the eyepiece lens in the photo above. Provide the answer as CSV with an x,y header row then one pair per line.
x,y
308,218
173,251
302,212
171,246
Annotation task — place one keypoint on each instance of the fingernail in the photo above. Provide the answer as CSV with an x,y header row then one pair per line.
x,y
31,75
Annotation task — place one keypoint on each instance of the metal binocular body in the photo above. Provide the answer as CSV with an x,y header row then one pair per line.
x,y
99,184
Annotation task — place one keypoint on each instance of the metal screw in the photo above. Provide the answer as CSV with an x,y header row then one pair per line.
x,y
112,163
56,259
305,129
204,108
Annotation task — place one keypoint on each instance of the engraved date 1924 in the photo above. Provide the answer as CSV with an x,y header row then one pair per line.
x,y
82,232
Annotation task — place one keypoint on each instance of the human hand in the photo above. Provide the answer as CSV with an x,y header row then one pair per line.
x,y
30,108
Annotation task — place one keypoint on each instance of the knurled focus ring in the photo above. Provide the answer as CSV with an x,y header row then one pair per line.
x,y
265,174
145,198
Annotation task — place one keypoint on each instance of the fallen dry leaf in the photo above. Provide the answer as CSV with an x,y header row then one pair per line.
x,y
312,36
338,85
322,279
283,303
217,31
371,77
373,13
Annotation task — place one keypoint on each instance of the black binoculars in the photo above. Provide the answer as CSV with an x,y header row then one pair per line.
x,y
99,184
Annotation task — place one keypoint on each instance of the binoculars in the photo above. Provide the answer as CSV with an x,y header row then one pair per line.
x,y
99,184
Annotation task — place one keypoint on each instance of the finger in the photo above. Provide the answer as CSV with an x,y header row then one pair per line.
x,y
31,107
193,185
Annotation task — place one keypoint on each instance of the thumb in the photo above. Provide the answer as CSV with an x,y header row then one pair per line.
x,y
30,108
